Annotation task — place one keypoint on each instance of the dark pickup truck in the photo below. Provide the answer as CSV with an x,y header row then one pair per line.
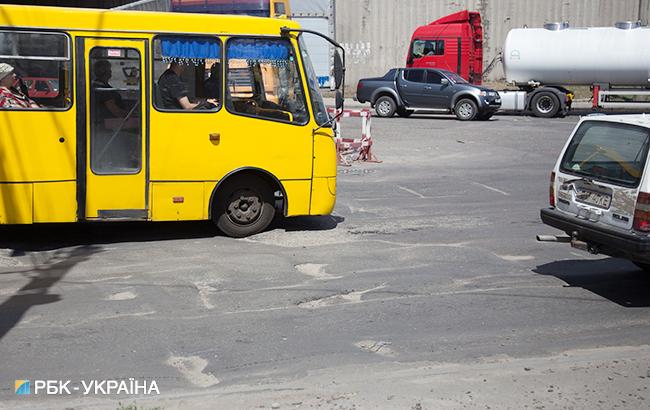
x,y
404,90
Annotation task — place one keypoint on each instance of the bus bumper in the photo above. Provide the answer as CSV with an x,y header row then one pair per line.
x,y
323,195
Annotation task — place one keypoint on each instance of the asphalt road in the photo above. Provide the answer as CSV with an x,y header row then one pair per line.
x,y
425,289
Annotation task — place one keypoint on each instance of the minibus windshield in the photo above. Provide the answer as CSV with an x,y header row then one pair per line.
x,y
607,151
320,111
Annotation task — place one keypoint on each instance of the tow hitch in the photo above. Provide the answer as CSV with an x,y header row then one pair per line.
x,y
553,238
573,240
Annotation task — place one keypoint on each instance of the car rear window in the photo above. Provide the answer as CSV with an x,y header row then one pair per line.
x,y
606,151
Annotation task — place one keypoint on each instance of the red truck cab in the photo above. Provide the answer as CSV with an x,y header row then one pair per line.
x,y
453,43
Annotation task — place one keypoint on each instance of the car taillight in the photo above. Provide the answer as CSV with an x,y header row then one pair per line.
x,y
359,85
551,190
642,213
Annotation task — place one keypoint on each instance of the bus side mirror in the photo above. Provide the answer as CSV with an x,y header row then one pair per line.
x,y
338,70
339,100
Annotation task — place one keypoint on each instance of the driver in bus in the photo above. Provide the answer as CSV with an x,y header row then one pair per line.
x,y
174,93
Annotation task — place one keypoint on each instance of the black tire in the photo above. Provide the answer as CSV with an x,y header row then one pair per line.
x,y
485,116
385,106
545,104
243,206
642,265
466,109
404,113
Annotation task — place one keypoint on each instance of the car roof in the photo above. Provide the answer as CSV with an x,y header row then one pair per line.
x,y
642,120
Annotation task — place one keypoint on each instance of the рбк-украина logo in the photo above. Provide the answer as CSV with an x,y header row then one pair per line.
x,y
22,387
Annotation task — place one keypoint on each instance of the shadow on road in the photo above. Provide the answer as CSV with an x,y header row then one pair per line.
x,y
614,279
45,237
25,238
41,278
309,223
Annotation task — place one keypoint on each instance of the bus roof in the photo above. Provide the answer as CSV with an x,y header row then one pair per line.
x,y
63,18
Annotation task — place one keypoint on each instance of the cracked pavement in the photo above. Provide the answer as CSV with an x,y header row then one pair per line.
x,y
425,289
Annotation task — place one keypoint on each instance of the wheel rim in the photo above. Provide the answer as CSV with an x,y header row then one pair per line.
x,y
245,207
545,104
384,107
465,110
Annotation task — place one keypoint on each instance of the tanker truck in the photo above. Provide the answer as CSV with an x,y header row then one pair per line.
x,y
542,62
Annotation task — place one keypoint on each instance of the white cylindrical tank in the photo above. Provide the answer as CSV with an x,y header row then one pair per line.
x,y
578,56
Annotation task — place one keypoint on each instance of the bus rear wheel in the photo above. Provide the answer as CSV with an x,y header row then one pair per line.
x,y
244,207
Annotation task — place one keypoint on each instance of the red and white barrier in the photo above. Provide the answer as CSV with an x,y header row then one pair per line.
x,y
357,149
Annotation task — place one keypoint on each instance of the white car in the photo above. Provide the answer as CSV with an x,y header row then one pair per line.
x,y
600,188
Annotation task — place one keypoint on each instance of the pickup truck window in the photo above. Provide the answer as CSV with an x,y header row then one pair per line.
x,y
456,79
414,76
433,77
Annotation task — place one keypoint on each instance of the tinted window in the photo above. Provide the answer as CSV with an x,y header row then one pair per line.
x,y
264,80
433,77
199,62
416,76
42,68
607,151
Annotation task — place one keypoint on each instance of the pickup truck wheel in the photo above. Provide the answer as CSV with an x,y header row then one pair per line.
x,y
545,104
466,109
404,113
385,106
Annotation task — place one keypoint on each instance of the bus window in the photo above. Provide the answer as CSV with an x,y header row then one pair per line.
x,y
190,67
115,111
264,81
42,65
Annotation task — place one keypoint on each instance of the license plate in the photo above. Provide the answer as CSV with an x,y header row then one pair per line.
x,y
594,198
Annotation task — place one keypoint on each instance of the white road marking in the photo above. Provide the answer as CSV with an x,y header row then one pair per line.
x,y
122,296
410,191
492,188
515,258
105,279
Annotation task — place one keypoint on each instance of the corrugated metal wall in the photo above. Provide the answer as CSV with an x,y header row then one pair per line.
x,y
147,5
376,33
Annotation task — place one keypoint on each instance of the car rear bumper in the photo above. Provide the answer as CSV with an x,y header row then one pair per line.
x,y
612,240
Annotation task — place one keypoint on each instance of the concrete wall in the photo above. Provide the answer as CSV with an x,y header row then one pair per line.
x,y
376,33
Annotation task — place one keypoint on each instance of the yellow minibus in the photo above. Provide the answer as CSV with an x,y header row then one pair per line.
x,y
160,117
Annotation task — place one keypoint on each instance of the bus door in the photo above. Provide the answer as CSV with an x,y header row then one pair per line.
x,y
113,139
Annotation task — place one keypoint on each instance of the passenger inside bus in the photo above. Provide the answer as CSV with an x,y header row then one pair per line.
x,y
11,95
110,104
174,93
212,86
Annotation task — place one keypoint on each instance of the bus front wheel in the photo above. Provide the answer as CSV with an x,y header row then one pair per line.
x,y
244,207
